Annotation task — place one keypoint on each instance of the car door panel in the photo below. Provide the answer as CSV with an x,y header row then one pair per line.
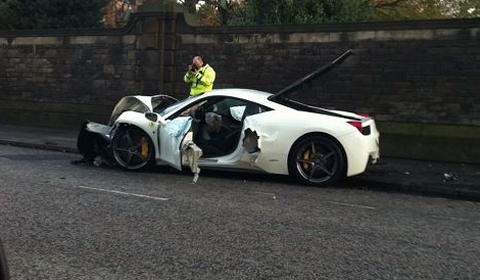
x,y
171,137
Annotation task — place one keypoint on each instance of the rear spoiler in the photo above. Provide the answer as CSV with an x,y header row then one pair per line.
x,y
325,68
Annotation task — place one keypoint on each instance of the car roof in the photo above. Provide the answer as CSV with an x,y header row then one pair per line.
x,y
250,94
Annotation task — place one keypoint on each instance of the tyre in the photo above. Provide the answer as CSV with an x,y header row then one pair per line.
x,y
317,160
132,148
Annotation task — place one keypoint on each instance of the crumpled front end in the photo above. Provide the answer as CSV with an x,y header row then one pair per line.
x,y
93,141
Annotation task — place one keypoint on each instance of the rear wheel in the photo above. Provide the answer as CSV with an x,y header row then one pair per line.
x,y
132,148
317,160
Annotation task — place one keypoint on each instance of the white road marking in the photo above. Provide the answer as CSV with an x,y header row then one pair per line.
x,y
274,196
267,193
351,205
125,193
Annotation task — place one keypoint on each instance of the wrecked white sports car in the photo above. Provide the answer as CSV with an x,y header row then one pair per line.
x,y
236,129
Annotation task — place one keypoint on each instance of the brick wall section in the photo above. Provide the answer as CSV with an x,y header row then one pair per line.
x,y
80,66
76,69
426,72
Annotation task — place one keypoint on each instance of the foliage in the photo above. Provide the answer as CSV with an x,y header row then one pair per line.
x,y
190,5
43,14
302,11
212,12
464,8
290,11
407,9
425,9
251,12
117,13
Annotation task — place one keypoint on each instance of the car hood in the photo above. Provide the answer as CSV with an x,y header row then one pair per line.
x,y
285,92
141,104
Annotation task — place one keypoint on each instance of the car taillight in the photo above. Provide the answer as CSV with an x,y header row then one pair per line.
x,y
357,125
365,130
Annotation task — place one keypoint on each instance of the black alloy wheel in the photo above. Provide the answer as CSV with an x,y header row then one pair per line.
x,y
317,160
132,148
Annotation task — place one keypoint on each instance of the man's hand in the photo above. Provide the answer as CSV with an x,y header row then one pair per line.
x,y
192,70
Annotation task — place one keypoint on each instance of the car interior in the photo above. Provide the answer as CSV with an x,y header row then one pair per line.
x,y
217,124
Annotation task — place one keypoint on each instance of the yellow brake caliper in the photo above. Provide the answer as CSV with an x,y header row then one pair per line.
x,y
306,155
144,148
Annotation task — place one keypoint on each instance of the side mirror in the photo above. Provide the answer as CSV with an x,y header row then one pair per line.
x,y
154,117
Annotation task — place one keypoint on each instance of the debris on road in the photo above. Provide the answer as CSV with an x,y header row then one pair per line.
x,y
448,177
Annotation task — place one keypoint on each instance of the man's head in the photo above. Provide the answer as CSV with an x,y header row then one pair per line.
x,y
197,61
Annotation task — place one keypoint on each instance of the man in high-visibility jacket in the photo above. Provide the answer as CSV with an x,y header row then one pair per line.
x,y
200,76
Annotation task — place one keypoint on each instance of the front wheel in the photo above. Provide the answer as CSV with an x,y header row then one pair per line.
x,y
132,148
317,160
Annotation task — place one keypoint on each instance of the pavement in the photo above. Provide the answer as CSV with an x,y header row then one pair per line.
x,y
444,179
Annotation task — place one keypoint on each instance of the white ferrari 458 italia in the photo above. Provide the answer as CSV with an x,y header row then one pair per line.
x,y
236,129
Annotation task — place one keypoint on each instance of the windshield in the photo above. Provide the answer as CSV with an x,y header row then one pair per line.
x,y
161,102
173,107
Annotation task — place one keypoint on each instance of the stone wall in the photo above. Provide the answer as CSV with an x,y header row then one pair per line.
x,y
419,79
76,69
79,66
64,76
411,71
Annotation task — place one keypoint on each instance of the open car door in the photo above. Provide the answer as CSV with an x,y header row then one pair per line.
x,y
171,138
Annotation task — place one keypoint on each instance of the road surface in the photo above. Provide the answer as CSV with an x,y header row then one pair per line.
x,y
63,221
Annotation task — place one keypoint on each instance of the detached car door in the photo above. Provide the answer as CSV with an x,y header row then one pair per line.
x,y
171,137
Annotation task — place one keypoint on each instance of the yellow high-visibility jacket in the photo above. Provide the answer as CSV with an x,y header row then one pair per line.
x,y
202,81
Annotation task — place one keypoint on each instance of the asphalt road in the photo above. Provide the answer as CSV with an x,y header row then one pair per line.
x,y
62,221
